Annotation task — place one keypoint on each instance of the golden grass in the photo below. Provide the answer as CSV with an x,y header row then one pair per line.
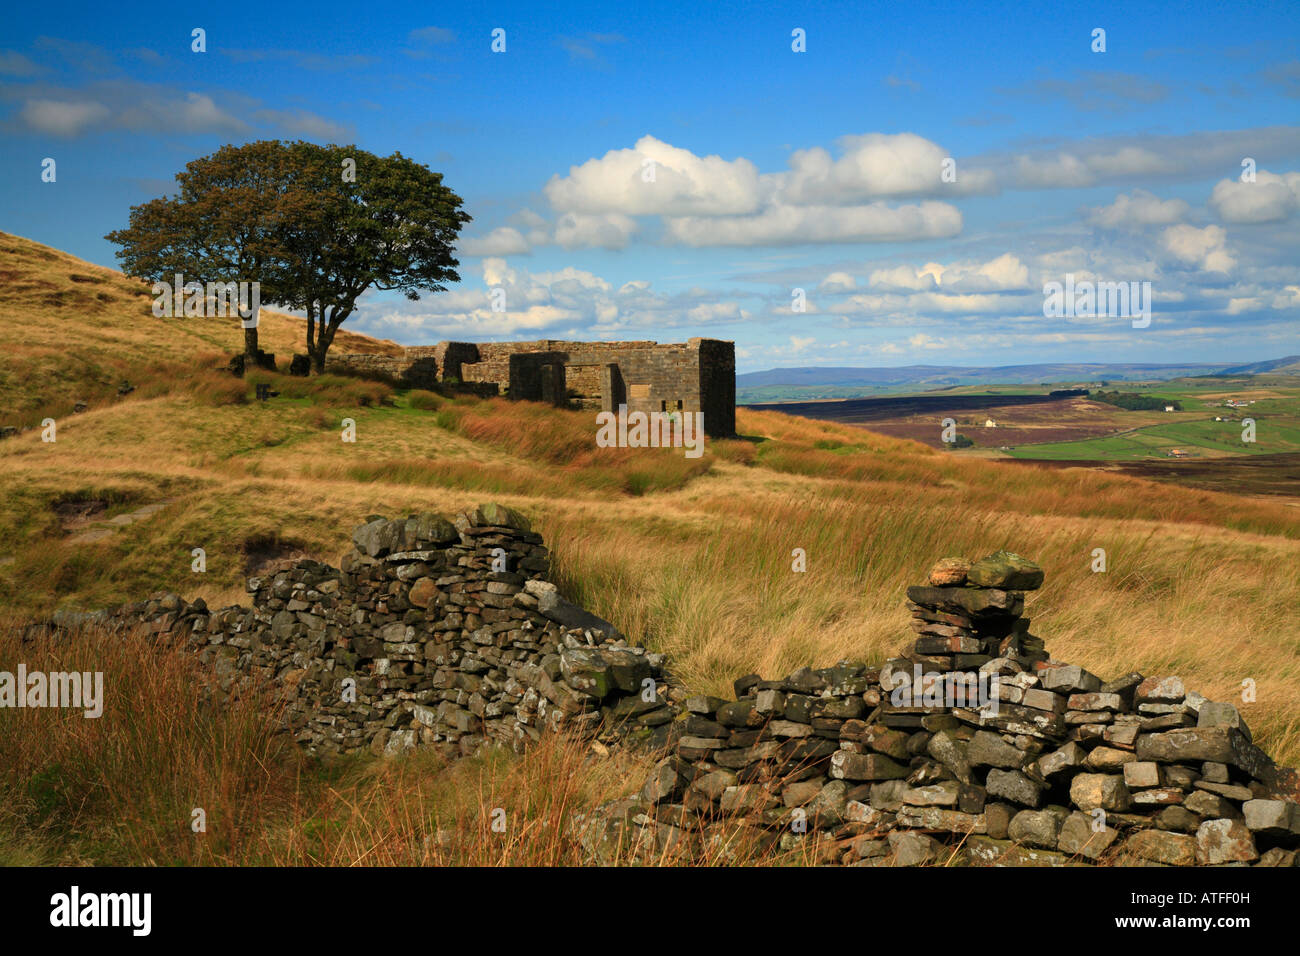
x,y
125,788
74,331
693,557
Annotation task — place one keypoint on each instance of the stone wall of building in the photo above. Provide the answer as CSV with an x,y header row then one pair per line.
x,y
694,376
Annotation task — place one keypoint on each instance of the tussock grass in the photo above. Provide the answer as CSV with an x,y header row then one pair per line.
x,y
691,556
123,788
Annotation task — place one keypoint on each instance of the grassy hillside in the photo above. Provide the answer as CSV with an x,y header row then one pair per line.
x,y
74,331
693,556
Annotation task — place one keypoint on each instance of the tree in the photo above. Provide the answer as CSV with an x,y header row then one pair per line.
x,y
321,225
222,226
390,225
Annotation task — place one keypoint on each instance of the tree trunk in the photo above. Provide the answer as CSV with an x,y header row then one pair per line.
x,y
324,339
250,341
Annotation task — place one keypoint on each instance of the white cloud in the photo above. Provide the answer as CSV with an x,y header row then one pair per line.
x,y
608,231
874,166
876,222
683,184
838,282
907,278
1004,273
1271,198
711,201
505,241
302,123
1066,170
570,301
1138,209
62,118
1205,248
195,113
1055,171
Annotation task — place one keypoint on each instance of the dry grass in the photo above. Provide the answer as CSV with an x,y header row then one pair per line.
x,y
124,788
692,556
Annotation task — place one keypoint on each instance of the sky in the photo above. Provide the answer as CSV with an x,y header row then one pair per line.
x,y
849,184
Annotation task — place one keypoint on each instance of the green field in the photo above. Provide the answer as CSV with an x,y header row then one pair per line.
x,y
1157,440
1275,409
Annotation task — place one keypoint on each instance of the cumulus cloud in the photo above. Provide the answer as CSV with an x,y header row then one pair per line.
x,y
505,241
838,282
1205,248
571,230
607,231
653,178
907,278
1270,198
1004,273
1138,209
873,166
568,301
711,201
876,222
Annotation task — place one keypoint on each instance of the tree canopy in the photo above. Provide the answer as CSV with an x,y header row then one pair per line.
x,y
316,226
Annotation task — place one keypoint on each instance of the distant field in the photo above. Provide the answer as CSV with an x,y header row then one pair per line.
x,y
1029,424
1248,475
1193,431
1203,438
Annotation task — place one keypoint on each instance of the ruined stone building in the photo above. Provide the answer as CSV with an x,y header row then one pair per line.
x,y
694,376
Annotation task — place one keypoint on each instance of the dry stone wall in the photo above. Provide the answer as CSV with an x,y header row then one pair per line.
x,y
430,632
972,747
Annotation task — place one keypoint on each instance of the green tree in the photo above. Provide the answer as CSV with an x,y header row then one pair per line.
x,y
360,222
315,226
222,226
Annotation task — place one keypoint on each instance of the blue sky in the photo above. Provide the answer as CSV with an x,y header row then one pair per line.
x,y
773,170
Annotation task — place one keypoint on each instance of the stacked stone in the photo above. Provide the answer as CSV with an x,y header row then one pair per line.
x,y
969,614
446,634
431,632
855,765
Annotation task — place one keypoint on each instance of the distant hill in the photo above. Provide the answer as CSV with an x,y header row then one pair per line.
x,y
1289,364
845,382
939,375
